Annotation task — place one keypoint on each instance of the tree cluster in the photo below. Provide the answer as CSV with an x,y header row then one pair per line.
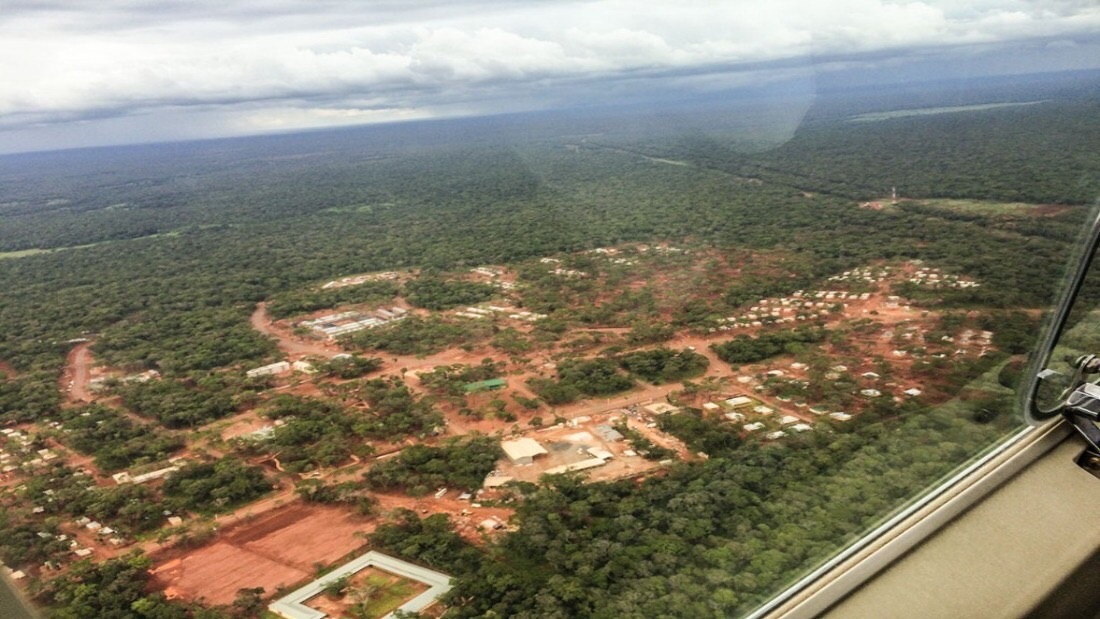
x,y
215,487
662,365
418,336
437,293
744,349
351,366
314,433
177,405
298,302
577,377
394,412
115,440
451,379
419,469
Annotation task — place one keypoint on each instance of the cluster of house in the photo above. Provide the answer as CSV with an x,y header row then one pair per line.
x,y
834,373
609,253
970,337
492,310
934,278
739,406
968,342
334,325
561,271
281,367
102,531
360,279
798,306
494,274
74,546
869,275
100,382
661,249
17,452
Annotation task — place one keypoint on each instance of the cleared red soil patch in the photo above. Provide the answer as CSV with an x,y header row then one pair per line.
x,y
215,573
299,540
277,549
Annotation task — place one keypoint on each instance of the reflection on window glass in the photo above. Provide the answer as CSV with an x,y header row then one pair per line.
x,y
625,317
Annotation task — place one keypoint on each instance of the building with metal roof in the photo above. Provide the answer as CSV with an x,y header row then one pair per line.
x,y
609,434
485,385
522,450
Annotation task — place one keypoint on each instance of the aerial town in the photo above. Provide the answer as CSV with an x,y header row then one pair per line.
x,y
555,397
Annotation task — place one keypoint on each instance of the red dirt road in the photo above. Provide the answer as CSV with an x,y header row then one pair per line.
x,y
262,323
77,373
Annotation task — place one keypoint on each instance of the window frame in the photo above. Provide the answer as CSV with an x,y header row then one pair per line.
x,y
862,561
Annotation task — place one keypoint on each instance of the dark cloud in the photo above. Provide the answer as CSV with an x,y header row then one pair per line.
x,y
251,65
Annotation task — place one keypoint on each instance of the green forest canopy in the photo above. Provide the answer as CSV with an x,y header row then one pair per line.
x,y
168,282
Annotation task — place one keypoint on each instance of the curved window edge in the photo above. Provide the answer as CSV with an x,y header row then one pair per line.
x,y
874,552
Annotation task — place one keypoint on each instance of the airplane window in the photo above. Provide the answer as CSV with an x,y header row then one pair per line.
x,y
577,309
1061,374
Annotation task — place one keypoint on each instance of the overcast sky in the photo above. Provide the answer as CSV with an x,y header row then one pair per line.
x,y
78,73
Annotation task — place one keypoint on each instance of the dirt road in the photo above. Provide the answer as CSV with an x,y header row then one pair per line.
x,y
74,381
262,323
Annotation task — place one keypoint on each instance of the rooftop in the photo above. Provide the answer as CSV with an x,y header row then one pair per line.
x,y
522,448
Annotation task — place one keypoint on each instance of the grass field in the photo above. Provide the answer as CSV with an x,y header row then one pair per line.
x,y
984,208
23,253
371,593
6,255
391,592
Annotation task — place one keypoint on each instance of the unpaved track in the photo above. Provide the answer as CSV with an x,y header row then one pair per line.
x,y
262,323
79,359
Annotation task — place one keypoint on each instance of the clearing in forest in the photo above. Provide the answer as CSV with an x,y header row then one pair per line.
x,y
278,549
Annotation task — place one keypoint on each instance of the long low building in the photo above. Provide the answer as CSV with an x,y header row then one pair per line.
x,y
583,465
269,370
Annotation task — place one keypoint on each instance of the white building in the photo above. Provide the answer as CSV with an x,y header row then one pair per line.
x,y
522,450
269,370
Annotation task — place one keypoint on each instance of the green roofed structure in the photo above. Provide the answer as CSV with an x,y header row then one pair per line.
x,y
485,385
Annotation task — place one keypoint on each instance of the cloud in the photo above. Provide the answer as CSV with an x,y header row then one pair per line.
x,y
62,60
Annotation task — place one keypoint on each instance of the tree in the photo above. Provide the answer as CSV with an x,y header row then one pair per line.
x,y
249,602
